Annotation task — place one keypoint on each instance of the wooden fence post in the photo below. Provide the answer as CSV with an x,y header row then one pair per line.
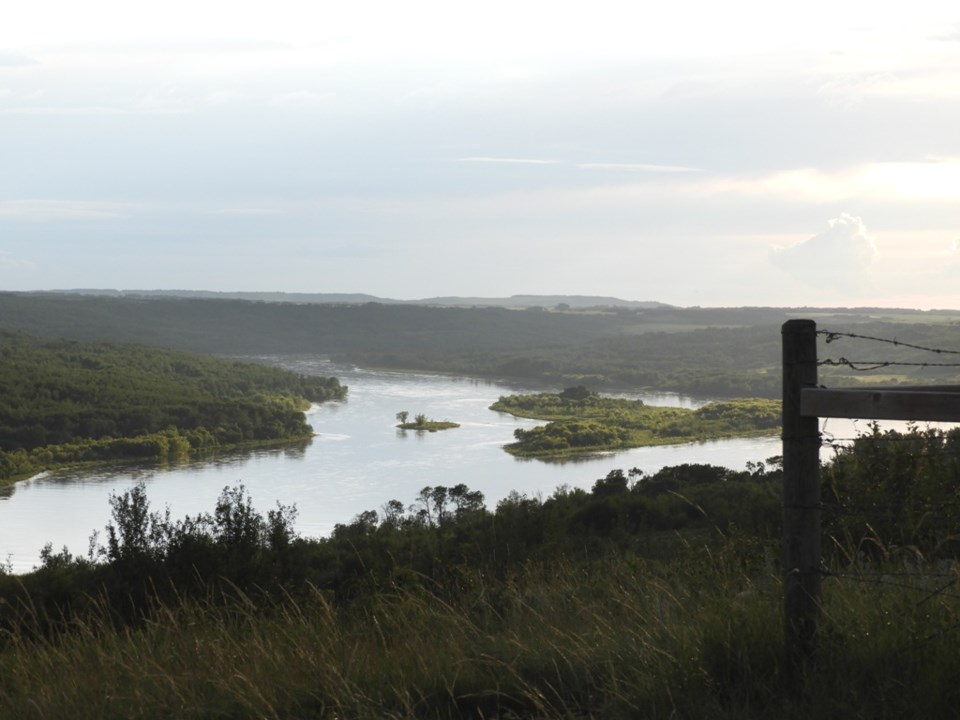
x,y
801,492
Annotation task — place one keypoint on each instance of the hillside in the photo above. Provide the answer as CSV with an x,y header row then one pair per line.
x,y
514,301
63,401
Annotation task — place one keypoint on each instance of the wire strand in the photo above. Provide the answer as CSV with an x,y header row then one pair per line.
x,y
832,335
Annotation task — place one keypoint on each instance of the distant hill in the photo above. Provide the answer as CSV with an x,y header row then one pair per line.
x,y
526,301
514,301
271,297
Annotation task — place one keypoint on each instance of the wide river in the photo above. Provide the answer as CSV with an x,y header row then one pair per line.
x,y
358,461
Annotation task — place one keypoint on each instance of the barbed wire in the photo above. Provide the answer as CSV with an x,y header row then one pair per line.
x,y
832,335
921,507
868,365
933,636
888,582
827,572
844,445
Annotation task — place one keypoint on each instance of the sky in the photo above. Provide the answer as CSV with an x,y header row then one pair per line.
x,y
692,152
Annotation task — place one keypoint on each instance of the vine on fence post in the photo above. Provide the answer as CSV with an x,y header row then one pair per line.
x,y
801,492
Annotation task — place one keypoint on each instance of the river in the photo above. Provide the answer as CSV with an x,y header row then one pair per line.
x,y
358,461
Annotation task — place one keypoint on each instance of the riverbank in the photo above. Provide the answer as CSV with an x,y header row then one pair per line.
x,y
179,456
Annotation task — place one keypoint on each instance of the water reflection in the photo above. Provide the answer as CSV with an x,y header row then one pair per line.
x,y
583,459
146,471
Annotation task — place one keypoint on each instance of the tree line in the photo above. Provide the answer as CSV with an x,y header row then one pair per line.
x,y
718,352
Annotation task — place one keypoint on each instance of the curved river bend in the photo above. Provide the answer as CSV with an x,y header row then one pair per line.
x,y
358,461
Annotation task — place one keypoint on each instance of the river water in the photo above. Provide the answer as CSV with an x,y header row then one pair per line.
x,y
358,461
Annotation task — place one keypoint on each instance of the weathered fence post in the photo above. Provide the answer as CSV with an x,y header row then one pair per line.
x,y
801,492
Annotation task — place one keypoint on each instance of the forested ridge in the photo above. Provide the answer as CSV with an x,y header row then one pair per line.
x,y
64,401
714,352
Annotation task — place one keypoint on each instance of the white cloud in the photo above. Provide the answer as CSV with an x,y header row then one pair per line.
x,y
618,167
508,160
639,167
8,261
58,210
248,212
225,97
15,59
301,99
892,182
61,110
835,258
950,36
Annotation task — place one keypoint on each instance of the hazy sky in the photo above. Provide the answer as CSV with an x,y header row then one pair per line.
x,y
692,152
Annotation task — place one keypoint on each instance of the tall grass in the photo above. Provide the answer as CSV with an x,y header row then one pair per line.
x,y
620,637
616,638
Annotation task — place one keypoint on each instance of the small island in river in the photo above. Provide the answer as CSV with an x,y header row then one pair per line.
x,y
581,422
422,422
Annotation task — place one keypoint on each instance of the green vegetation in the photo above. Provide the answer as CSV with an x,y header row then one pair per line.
x,y
422,423
715,352
646,596
583,422
895,493
65,402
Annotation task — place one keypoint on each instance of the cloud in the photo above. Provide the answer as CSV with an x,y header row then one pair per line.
x,y
248,211
301,99
835,258
932,180
620,167
639,167
15,59
953,36
40,210
61,110
225,97
11,263
508,160
848,92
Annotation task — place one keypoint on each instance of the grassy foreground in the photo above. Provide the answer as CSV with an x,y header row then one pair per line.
x,y
620,638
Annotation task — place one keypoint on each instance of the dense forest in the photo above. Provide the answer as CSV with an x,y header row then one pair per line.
x,y
646,596
716,352
66,401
